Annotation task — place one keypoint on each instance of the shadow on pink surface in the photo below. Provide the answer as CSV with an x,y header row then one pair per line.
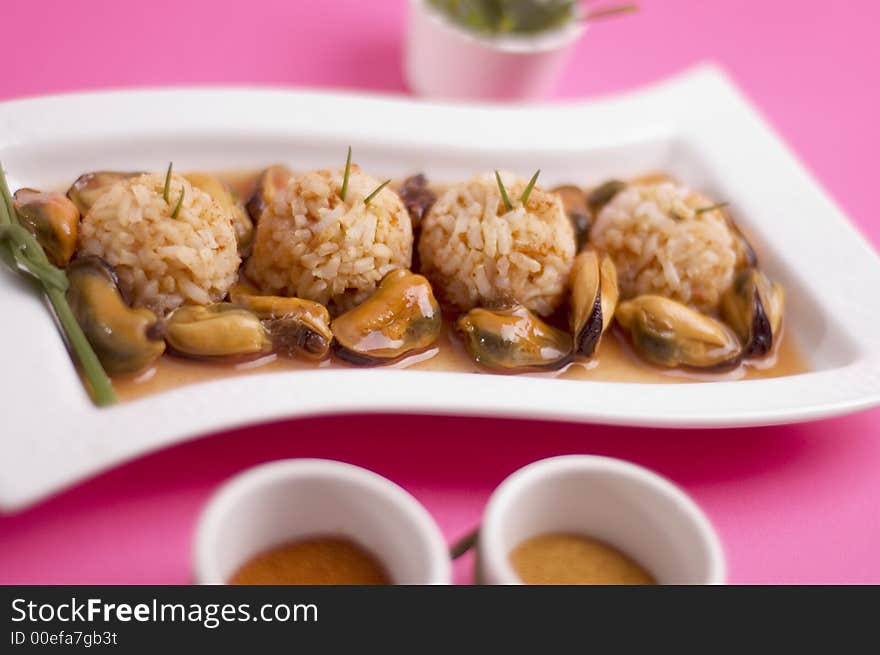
x,y
775,494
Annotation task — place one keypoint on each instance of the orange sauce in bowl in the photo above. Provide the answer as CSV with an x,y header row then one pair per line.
x,y
314,561
573,559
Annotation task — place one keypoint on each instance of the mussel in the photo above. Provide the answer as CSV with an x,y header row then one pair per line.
x,y
574,201
271,181
417,196
600,196
222,195
53,219
297,326
218,331
125,339
513,339
753,307
594,295
90,186
402,316
669,333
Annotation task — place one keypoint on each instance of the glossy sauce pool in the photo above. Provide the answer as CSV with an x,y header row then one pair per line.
x,y
614,361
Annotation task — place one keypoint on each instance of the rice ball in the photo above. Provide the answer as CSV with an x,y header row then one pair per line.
x,y
311,244
669,240
477,253
163,261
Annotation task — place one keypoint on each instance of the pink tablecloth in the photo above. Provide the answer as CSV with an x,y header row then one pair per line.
x,y
793,504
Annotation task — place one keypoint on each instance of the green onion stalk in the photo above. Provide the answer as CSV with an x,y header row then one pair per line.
x,y
508,206
711,208
344,190
23,253
376,191
524,197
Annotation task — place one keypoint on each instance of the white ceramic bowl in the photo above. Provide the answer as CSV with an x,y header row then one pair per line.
x,y
622,504
442,60
297,498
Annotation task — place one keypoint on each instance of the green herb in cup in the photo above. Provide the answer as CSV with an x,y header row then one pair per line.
x,y
521,17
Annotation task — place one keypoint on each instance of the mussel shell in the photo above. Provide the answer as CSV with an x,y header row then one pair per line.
x,y
218,331
53,219
271,181
574,201
601,195
594,295
400,317
753,307
297,326
417,196
125,339
88,187
670,334
746,257
761,341
513,339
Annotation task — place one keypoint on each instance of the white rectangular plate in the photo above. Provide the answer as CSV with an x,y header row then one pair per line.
x,y
696,126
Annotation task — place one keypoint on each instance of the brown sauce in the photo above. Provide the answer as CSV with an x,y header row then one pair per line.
x,y
613,362
317,561
571,559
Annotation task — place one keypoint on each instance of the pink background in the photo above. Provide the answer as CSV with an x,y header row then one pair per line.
x,y
792,504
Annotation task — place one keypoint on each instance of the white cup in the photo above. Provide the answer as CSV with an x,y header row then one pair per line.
x,y
293,499
443,60
626,506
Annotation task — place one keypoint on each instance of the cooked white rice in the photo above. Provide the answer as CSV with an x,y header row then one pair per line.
x,y
662,245
163,262
311,244
477,253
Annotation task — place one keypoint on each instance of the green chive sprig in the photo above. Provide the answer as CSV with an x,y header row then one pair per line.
x,y
167,188
711,208
524,198
504,197
24,253
179,204
376,191
344,190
